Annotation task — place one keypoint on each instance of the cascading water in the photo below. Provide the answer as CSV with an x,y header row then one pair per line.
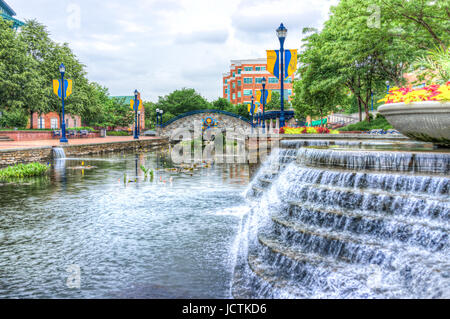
x,y
58,153
331,221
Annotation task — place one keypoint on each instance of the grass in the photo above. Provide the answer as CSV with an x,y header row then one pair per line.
x,y
23,170
380,123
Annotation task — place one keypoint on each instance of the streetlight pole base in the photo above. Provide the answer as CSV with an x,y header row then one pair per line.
x,y
63,141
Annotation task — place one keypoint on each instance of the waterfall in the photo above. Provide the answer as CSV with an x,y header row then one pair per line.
x,y
346,222
58,153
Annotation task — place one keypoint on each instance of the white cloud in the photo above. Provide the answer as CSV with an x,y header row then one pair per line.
x,y
158,46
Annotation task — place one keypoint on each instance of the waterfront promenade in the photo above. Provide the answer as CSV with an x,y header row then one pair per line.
x,y
9,145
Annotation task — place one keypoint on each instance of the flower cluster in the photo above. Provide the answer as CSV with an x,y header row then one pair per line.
x,y
307,130
407,95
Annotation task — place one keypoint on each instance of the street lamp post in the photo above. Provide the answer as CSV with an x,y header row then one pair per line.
x,y
282,33
252,110
264,104
139,123
161,112
62,70
136,136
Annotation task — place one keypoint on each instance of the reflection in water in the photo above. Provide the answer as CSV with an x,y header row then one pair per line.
x,y
169,238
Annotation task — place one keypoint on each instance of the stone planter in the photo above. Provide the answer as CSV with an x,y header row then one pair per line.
x,y
423,121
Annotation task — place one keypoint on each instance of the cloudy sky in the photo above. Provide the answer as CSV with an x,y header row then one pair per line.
x,y
158,46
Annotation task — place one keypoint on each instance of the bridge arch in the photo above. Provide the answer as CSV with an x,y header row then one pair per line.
x,y
225,120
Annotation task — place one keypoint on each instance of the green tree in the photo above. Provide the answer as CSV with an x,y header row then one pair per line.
x,y
180,102
20,81
222,105
274,103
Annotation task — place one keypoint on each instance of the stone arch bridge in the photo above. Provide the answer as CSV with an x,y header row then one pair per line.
x,y
185,122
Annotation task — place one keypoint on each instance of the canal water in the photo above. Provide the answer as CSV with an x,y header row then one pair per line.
x,y
169,237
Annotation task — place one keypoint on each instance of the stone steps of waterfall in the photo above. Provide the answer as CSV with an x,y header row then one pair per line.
x,y
271,276
296,273
375,161
4,138
398,183
327,243
433,237
302,282
385,203
293,266
247,284
444,198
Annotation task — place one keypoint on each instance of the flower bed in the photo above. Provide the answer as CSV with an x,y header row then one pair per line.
x,y
307,130
421,114
408,95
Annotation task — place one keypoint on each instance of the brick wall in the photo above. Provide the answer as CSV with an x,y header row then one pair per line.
x,y
71,121
12,157
45,154
20,136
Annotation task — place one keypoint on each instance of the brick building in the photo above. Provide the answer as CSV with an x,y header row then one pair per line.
x,y
245,78
52,121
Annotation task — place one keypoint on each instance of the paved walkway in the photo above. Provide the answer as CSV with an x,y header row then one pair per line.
x,y
55,142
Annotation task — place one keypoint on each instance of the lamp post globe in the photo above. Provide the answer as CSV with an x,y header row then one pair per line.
x,y
388,85
282,34
62,68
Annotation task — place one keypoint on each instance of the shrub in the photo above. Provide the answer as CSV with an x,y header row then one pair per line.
x,y
22,170
14,118
379,123
83,128
117,133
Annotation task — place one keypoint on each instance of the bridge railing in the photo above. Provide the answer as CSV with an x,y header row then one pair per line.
x,y
179,117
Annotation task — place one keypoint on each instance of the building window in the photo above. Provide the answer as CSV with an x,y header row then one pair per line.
x,y
239,71
288,80
273,80
260,68
74,122
248,80
226,91
234,74
248,69
258,80
226,81
41,123
239,95
234,96
234,85
54,123
248,92
239,82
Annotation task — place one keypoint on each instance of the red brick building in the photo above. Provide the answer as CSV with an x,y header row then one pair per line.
x,y
245,78
52,121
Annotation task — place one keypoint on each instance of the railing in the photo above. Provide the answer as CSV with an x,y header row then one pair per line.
x,y
202,112
342,119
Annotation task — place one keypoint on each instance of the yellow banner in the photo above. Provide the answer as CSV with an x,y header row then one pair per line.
x,y
292,66
268,97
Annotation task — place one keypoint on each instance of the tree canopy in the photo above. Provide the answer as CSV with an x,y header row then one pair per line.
x,y
362,45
